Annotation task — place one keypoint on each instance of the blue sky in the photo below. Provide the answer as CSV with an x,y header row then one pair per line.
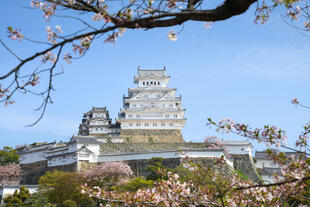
x,y
236,69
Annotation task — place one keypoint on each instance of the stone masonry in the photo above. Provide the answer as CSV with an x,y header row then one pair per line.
x,y
150,135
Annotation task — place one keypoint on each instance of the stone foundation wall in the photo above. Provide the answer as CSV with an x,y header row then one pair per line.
x,y
32,172
152,135
84,165
108,148
66,168
139,166
245,164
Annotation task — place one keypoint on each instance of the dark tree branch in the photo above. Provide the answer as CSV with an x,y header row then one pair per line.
x,y
294,180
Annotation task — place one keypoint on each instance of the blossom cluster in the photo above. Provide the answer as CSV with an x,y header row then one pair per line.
x,y
48,9
108,169
10,174
270,135
14,34
52,35
49,56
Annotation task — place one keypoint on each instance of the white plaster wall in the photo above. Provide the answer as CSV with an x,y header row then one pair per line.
x,y
62,160
154,115
32,157
162,83
165,155
99,130
6,191
126,125
95,148
260,163
241,149
99,115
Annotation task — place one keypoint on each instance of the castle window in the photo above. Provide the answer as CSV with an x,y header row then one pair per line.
x,y
147,83
130,116
162,124
138,124
170,105
166,115
134,105
138,116
143,83
158,83
154,124
175,116
84,155
146,124
151,83
171,124
130,124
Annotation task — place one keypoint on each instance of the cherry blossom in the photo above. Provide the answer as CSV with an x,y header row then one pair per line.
x,y
10,174
172,35
14,34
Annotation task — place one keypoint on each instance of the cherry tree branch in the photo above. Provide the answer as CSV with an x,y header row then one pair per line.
x,y
275,184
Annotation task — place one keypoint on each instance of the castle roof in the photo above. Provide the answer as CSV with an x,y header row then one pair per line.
x,y
84,139
99,109
236,143
145,73
152,88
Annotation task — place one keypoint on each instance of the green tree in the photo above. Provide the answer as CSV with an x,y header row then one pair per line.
x,y
69,203
134,184
38,200
18,198
155,168
8,155
60,186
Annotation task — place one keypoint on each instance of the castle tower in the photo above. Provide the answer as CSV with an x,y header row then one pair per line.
x,y
152,112
97,122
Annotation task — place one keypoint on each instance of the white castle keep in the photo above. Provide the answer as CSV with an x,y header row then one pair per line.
x,y
152,105
151,111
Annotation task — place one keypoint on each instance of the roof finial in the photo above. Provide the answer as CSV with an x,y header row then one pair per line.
x,y
164,67
139,67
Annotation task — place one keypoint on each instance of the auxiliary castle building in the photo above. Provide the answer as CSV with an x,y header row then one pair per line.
x,y
97,122
151,111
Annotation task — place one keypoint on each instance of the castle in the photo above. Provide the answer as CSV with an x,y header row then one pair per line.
x,y
149,125
151,112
